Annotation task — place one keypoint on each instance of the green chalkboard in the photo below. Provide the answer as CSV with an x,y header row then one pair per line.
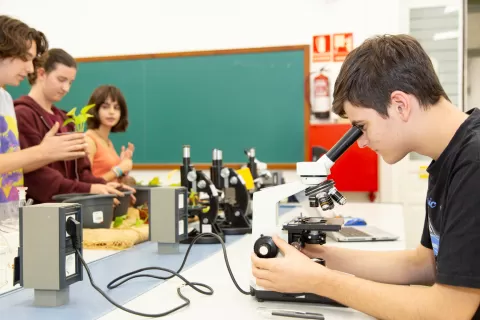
x,y
230,100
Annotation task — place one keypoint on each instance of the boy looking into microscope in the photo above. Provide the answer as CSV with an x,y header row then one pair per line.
x,y
388,88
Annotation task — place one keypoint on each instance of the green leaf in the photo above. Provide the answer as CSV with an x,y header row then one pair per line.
x,y
67,121
154,182
86,108
139,222
118,221
72,112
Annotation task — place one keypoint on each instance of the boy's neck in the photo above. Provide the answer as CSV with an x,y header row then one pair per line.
x,y
437,128
37,95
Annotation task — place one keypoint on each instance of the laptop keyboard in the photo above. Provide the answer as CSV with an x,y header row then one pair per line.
x,y
352,232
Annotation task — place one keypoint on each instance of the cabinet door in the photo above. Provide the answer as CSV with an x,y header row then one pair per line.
x,y
356,169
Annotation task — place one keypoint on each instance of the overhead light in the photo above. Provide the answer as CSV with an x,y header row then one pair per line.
x,y
447,35
450,9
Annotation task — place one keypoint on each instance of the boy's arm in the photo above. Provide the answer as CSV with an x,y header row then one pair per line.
x,y
296,273
386,301
26,159
85,172
45,182
50,149
416,266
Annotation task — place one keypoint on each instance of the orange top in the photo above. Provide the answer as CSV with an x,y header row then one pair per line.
x,y
105,158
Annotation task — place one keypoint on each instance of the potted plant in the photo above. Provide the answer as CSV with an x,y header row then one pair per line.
x,y
80,119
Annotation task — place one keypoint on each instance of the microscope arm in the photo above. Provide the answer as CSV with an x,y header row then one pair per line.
x,y
265,205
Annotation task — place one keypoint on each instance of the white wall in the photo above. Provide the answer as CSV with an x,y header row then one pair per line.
x,y
113,27
88,28
473,63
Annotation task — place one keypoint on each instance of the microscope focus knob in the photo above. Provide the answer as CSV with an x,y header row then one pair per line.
x,y
264,247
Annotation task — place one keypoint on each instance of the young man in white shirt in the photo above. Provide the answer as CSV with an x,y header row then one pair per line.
x,y
19,46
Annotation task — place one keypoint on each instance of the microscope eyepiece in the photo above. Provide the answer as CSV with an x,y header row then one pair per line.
x,y
344,143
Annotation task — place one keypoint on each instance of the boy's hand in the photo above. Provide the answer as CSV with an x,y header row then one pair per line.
x,y
63,147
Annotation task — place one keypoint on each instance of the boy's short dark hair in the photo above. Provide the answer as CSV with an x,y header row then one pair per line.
x,y
98,97
49,61
382,65
16,38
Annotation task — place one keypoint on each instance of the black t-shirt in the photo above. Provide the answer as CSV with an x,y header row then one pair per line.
x,y
452,222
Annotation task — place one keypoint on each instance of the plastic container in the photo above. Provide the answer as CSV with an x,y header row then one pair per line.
x,y
122,208
142,194
97,209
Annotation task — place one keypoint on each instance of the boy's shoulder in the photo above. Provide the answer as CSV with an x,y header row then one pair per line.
x,y
6,103
468,146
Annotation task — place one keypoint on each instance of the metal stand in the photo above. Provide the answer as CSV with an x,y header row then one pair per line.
x,y
51,298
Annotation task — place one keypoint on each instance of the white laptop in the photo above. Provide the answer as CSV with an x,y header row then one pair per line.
x,y
361,233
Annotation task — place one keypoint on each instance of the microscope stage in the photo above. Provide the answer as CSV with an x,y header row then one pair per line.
x,y
313,223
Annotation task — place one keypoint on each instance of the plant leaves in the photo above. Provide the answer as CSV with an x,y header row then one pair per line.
x,y
67,121
139,222
154,182
71,113
118,221
86,108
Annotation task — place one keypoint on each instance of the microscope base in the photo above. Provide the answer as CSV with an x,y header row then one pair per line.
x,y
239,226
263,295
51,298
236,230
168,248
205,240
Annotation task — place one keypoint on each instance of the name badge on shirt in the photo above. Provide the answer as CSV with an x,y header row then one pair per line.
x,y
435,243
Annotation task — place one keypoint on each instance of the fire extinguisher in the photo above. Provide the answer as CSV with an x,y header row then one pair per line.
x,y
320,100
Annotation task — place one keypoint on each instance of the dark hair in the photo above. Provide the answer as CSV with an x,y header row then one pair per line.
x,y
98,97
49,61
16,38
382,65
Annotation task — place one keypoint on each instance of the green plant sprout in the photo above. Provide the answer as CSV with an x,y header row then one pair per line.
x,y
79,119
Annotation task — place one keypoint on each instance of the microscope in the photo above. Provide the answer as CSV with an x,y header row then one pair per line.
x,y
197,183
262,177
312,191
235,198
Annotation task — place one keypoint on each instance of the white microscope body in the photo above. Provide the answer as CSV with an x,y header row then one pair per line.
x,y
313,190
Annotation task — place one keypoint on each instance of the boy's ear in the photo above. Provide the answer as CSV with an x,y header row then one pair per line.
x,y
401,105
40,73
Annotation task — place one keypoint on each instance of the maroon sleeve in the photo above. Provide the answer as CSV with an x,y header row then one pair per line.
x,y
85,172
44,182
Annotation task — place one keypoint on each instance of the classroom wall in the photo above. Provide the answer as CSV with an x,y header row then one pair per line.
x,y
473,61
119,27
108,27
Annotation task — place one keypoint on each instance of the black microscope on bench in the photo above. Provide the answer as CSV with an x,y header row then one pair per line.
x,y
198,184
235,198
262,178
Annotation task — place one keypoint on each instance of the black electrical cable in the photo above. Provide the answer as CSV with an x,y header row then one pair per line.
x,y
73,228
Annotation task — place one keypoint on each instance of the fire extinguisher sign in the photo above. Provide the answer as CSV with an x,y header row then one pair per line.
x,y
322,48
